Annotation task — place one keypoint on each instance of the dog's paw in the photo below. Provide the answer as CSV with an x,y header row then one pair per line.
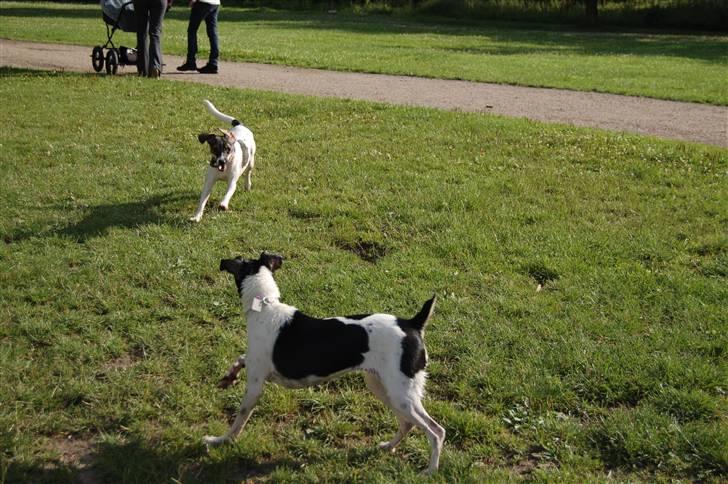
x,y
223,207
386,446
196,218
212,441
226,381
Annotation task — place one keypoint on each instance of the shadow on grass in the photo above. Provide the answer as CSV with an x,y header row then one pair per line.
x,y
507,38
99,219
141,461
6,71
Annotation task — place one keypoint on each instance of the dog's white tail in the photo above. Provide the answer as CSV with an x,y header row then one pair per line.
x,y
221,116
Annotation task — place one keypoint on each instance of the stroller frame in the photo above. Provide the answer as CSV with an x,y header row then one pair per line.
x,y
115,56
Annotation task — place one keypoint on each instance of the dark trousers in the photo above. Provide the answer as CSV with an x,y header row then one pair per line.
x,y
202,11
149,15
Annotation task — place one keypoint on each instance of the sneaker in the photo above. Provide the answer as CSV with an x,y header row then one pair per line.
x,y
207,69
187,66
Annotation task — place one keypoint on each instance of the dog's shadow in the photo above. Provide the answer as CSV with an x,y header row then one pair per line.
x,y
135,460
98,220
190,462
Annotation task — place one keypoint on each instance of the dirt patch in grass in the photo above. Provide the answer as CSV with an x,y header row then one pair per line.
x,y
365,250
120,363
528,464
77,455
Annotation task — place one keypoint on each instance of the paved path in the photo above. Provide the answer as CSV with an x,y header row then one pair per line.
x,y
667,119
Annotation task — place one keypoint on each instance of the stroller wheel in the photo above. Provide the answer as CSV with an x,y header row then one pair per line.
x,y
97,58
112,62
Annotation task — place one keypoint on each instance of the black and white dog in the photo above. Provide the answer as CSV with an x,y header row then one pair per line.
x,y
233,155
295,350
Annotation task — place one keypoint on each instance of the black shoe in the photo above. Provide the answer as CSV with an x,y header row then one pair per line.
x,y
187,66
207,69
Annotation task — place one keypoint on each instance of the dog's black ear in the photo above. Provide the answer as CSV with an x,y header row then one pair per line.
x,y
231,265
271,261
205,137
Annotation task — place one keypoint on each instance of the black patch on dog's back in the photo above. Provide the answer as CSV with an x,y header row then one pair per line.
x,y
308,346
414,358
357,317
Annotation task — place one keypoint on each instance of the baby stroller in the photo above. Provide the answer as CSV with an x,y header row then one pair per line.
x,y
118,14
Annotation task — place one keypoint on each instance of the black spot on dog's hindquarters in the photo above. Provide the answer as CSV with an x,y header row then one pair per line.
x,y
414,355
308,346
414,358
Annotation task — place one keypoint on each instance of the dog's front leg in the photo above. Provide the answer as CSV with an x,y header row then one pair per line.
x,y
232,185
206,190
252,394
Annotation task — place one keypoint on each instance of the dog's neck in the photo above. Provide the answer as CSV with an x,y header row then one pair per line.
x,y
261,286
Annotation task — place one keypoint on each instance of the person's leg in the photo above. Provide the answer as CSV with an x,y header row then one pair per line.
x,y
156,16
141,15
211,25
197,13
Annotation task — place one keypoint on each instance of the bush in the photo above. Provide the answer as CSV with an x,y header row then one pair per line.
x,y
674,14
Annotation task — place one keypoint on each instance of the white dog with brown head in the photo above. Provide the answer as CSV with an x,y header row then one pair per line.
x,y
233,155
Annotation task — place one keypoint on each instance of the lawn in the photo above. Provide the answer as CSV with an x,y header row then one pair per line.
x,y
580,331
681,67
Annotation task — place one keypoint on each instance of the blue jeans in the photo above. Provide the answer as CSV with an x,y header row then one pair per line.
x,y
202,11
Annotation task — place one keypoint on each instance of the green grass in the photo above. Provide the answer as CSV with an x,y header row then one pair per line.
x,y
116,323
680,67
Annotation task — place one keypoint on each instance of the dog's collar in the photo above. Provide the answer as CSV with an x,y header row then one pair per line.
x,y
260,301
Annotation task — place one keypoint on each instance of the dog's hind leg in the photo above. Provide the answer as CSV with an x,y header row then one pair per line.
x,y
249,172
248,180
436,435
402,431
252,394
375,386
410,407
232,373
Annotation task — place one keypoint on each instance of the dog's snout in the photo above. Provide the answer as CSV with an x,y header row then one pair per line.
x,y
218,162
